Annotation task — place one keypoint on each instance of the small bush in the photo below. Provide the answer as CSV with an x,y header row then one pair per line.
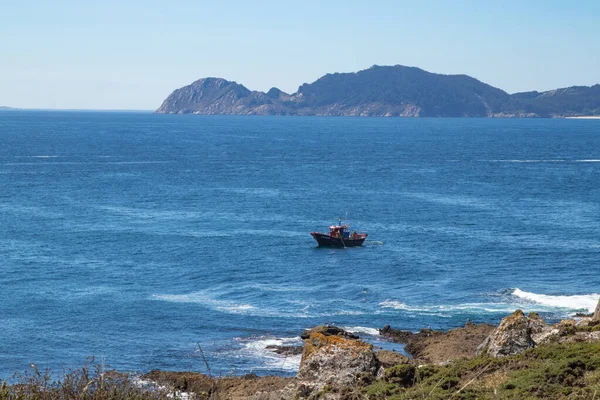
x,y
403,375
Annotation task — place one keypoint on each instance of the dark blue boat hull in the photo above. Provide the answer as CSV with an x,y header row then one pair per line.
x,y
328,241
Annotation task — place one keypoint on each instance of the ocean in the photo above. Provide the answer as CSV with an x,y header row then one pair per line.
x,y
155,241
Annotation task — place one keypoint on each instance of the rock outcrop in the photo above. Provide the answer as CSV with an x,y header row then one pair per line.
x,y
515,334
333,360
436,347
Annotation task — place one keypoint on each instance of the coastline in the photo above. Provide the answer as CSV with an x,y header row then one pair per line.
x,y
585,117
522,357
475,361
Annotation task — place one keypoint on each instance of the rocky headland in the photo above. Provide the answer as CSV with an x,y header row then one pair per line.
x,y
383,91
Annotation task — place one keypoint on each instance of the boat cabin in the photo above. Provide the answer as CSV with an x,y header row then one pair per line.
x,y
336,231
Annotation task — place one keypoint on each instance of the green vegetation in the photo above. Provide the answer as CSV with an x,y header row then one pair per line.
x,y
554,371
92,382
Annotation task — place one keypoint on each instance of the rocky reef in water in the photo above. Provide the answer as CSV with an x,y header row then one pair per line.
x,y
383,91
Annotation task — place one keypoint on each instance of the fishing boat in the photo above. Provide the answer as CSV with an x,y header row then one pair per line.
x,y
340,236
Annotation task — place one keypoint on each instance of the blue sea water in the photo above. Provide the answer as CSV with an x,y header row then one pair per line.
x,y
140,239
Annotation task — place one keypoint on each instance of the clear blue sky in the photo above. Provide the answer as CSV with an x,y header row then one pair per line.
x,y
130,54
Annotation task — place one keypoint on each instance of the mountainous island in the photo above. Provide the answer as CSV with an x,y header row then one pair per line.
x,y
384,91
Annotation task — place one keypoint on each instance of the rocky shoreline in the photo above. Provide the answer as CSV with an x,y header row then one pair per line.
x,y
522,358
523,354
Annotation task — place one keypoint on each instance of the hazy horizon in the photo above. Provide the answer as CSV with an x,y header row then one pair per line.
x,y
132,55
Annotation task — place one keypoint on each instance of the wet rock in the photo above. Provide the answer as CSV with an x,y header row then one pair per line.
x,y
328,330
400,336
332,360
584,315
285,350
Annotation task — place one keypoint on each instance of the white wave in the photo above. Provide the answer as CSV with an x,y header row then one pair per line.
x,y
257,348
43,156
361,329
522,300
585,302
592,160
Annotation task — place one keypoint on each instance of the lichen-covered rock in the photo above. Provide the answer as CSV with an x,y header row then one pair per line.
x,y
332,360
536,323
513,335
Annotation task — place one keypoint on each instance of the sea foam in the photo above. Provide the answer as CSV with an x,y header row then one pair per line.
x,y
256,348
518,299
585,302
361,329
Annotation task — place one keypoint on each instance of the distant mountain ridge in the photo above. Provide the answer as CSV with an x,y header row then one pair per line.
x,y
393,91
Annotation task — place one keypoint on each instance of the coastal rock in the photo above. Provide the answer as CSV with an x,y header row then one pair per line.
x,y
285,350
514,334
436,347
327,330
332,360
596,315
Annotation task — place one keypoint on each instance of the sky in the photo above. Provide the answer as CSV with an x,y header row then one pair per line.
x,y
131,54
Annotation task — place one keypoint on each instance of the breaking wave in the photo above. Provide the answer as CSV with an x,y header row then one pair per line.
x,y
585,302
361,329
257,348
516,299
